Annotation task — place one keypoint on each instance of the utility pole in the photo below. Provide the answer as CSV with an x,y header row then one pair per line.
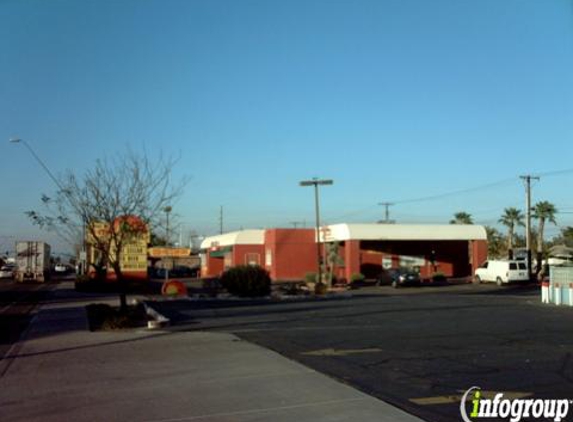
x,y
527,179
295,224
221,220
316,183
167,210
387,205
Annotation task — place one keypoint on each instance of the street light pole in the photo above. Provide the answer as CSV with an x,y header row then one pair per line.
x,y
44,166
83,257
316,182
167,210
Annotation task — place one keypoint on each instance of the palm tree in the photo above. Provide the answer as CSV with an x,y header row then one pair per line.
x,y
462,218
543,211
494,242
333,260
511,217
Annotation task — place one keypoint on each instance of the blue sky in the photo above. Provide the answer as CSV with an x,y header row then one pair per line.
x,y
392,99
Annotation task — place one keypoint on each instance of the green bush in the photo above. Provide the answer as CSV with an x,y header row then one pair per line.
x,y
357,277
310,277
247,281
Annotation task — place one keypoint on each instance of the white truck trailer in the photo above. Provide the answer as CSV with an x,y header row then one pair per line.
x,y
32,261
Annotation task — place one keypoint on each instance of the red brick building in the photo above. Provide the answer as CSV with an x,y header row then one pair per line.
x,y
218,253
288,254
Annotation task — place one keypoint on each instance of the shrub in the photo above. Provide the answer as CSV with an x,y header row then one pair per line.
x,y
310,278
439,277
357,277
247,281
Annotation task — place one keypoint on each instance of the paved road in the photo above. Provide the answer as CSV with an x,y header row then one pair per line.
x,y
416,348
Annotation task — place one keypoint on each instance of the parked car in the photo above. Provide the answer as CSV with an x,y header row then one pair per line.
x,y
178,271
61,268
502,272
7,271
183,271
400,277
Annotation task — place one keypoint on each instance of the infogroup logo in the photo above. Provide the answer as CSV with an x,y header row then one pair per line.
x,y
514,410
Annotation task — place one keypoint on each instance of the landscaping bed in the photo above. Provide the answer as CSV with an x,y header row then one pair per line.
x,y
102,317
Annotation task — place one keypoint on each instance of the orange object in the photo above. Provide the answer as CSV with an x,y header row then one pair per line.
x,y
174,288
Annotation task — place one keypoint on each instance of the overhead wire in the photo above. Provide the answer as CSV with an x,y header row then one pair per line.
x,y
498,183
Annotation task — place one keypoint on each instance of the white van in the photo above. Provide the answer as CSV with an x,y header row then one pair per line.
x,y
502,272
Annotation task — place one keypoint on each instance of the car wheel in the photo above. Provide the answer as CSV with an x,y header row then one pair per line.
x,y
499,281
477,280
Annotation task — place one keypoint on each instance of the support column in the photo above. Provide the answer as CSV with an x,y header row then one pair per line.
x,y
479,254
351,258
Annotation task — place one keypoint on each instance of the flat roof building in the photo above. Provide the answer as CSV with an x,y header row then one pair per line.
x,y
288,254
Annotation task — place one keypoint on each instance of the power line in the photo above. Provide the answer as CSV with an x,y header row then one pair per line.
x,y
486,186
498,183
354,213
456,192
556,172
430,197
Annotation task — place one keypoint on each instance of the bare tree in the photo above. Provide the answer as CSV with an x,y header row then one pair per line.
x,y
118,199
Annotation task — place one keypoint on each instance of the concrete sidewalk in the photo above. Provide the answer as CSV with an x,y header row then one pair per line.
x,y
60,371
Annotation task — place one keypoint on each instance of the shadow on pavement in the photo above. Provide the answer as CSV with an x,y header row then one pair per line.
x,y
511,290
248,314
87,346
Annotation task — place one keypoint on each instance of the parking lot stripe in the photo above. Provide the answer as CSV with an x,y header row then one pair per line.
x,y
341,352
437,400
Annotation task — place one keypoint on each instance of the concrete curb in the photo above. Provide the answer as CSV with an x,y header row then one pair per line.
x,y
158,321
272,298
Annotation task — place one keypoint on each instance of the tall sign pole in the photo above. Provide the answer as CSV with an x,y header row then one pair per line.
x,y
316,182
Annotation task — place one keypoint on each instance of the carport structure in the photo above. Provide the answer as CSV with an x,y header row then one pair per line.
x,y
455,250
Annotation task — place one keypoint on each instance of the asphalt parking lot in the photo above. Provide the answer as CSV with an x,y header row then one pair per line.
x,y
417,348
